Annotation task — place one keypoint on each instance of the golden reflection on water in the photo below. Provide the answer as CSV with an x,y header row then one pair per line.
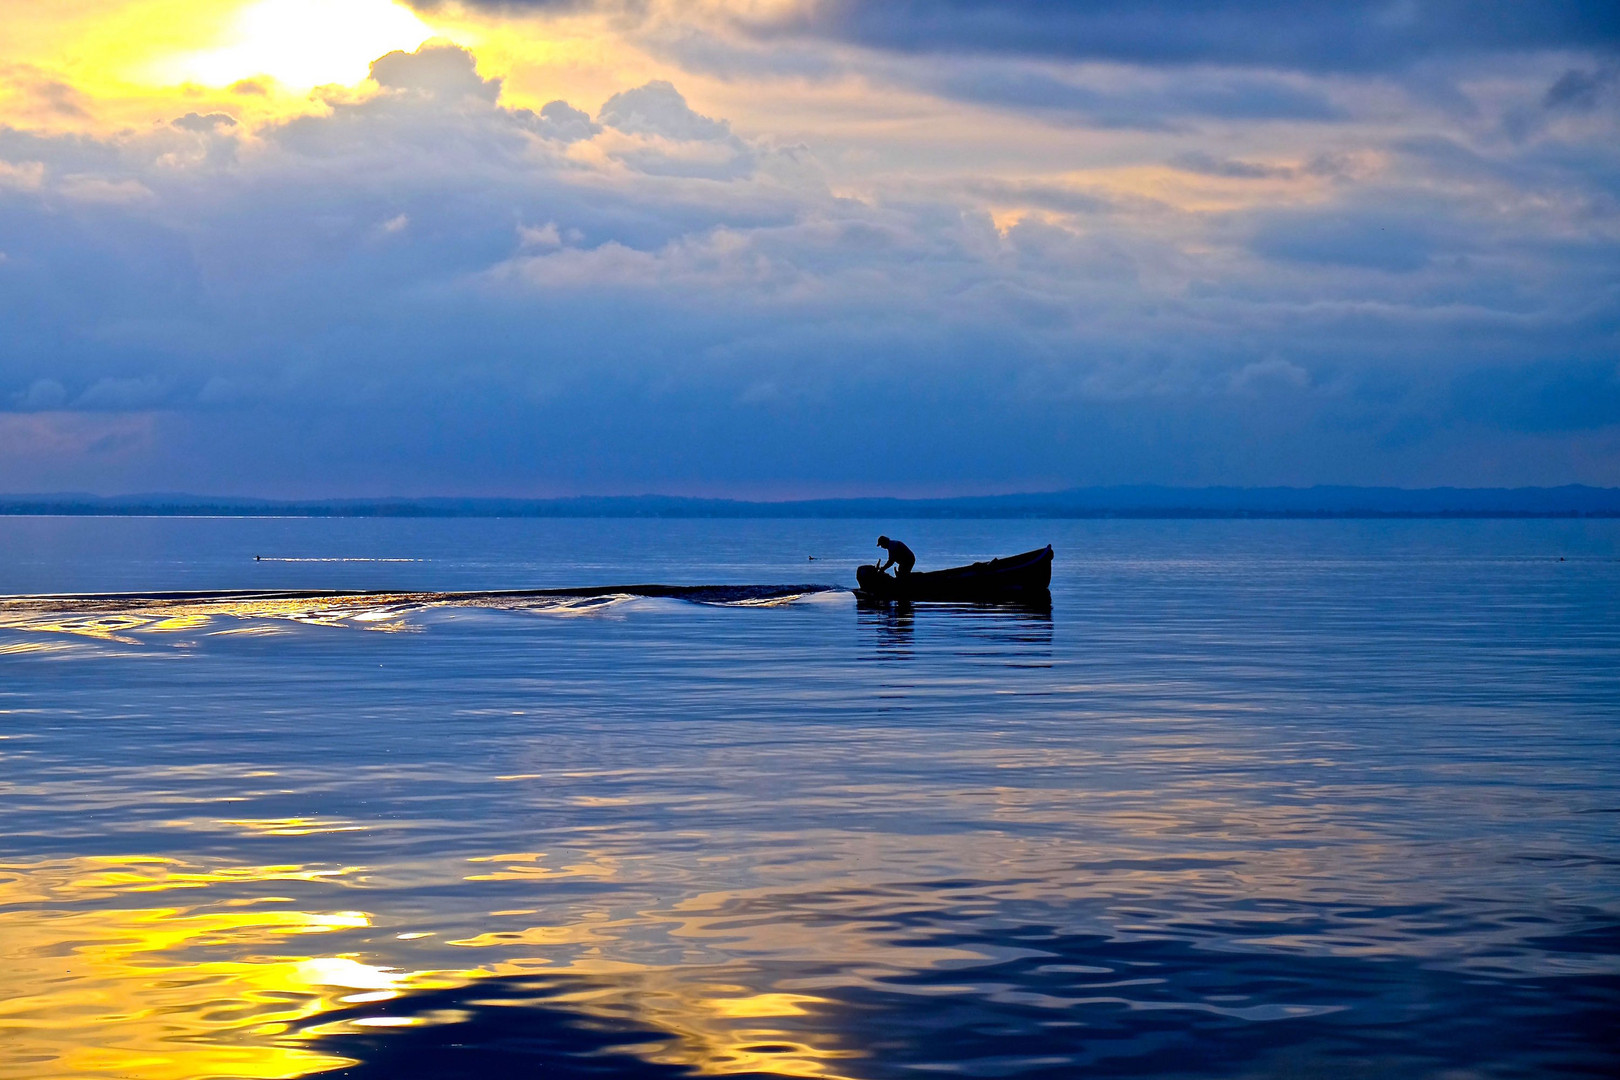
x,y
98,985
716,1025
119,618
18,648
99,989
222,975
291,826
526,866
160,968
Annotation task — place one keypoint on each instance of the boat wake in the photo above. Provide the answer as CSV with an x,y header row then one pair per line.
x,y
328,558
118,616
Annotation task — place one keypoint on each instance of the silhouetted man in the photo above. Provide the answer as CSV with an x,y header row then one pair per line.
x,y
900,556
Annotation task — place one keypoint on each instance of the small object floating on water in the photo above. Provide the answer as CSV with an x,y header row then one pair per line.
x,y
256,558
1017,577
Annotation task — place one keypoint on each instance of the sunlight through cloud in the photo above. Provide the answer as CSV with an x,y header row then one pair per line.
x,y
303,43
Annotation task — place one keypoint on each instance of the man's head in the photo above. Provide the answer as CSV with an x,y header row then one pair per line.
x,y
883,541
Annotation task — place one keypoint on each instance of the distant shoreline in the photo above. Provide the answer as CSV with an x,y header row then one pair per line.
x,y
1141,502
1190,514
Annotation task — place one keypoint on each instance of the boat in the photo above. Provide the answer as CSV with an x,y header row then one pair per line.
x,y
1020,578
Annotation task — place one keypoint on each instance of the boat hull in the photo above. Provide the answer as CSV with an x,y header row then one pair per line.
x,y
1023,577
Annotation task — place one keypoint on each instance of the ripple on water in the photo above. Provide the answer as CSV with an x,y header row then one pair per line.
x,y
1215,812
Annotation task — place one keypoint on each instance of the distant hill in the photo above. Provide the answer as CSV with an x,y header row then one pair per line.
x,y
1141,501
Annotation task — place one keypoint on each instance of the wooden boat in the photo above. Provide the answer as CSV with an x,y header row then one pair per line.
x,y
1017,577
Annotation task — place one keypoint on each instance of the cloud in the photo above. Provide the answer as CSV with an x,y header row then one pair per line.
x,y
421,288
1581,89
1057,198
1556,396
41,394
1373,241
122,395
668,138
542,237
522,6
659,109
22,174
1106,100
60,98
1206,164
439,71
561,121
67,153
1312,35
96,189
1272,372
49,448
204,124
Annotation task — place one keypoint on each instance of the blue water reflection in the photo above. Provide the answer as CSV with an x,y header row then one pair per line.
x,y
1249,799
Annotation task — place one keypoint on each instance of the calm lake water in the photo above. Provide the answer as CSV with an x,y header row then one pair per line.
x,y
1252,799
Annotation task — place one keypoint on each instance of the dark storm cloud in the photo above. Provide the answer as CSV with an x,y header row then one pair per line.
x,y
1061,96
1308,35
1314,35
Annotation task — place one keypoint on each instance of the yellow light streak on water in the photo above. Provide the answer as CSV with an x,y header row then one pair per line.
x,y
291,826
156,993
99,986
123,619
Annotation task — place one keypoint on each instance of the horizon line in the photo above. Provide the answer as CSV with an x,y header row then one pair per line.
x,y
1119,500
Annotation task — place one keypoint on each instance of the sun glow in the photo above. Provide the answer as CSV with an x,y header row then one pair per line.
x,y
302,43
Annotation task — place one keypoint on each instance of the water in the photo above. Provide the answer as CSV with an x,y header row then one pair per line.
x,y
1253,799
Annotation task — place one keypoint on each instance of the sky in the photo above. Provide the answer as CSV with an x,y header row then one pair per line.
x,y
796,248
